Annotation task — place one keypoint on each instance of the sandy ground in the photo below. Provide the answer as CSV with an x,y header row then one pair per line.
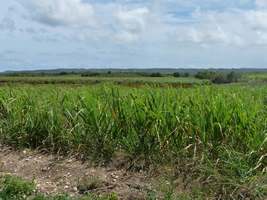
x,y
53,175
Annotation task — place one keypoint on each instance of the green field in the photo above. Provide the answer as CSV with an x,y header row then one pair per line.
x,y
256,76
132,81
219,131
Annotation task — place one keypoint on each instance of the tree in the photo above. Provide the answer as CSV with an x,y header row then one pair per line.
x,y
176,74
233,77
186,74
157,74
206,75
219,78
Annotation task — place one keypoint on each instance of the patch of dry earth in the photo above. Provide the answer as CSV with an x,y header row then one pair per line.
x,y
54,174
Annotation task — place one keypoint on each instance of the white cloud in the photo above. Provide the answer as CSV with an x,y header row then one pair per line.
x,y
257,19
261,3
161,29
131,23
132,20
122,23
60,12
155,21
230,27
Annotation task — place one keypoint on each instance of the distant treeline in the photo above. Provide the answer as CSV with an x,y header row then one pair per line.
x,y
35,74
219,77
177,72
215,76
96,74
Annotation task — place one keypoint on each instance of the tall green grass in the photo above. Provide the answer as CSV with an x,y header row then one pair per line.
x,y
222,130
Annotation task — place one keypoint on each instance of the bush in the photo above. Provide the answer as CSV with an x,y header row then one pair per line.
x,y
89,74
219,78
157,74
186,74
61,73
176,74
206,75
15,188
233,77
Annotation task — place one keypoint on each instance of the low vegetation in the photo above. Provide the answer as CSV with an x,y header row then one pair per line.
x,y
179,74
157,74
214,136
132,81
15,188
219,77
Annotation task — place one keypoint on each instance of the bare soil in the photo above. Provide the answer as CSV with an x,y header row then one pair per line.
x,y
55,174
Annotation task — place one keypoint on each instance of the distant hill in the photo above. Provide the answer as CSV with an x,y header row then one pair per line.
x,y
63,71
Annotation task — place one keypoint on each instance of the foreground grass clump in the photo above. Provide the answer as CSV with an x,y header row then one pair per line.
x,y
215,134
15,188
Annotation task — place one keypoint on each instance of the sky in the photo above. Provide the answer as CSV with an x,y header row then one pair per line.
x,y
44,34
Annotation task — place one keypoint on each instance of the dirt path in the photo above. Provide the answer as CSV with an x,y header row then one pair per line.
x,y
54,175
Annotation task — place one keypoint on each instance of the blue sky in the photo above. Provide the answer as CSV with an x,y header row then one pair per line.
x,y
39,34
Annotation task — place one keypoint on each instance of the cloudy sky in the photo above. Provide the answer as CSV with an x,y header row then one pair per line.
x,y
37,34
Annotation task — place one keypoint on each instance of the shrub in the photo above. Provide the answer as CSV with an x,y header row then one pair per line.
x,y
157,74
186,74
15,188
206,75
219,78
176,74
88,74
233,77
